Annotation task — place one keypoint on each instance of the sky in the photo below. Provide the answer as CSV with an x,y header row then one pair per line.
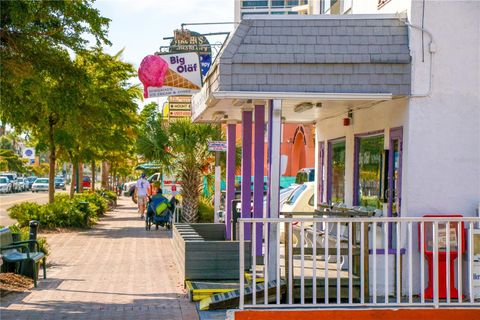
x,y
139,26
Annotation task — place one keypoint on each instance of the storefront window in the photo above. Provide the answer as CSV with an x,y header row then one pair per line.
x,y
369,171
337,172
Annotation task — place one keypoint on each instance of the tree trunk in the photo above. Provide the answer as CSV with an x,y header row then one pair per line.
x,y
190,210
80,177
52,159
192,180
105,174
74,177
93,176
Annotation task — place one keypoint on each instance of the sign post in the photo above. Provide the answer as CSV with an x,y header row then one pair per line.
x,y
217,146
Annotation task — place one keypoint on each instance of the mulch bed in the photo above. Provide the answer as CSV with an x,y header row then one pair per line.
x,y
11,282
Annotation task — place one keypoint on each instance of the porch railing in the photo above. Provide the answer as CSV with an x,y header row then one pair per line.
x,y
348,262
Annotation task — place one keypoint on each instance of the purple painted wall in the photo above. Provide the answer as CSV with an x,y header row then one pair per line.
x,y
231,144
246,169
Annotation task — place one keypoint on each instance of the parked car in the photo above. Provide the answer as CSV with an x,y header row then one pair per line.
x,y
30,181
41,184
60,183
86,182
300,200
5,186
12,178
21,183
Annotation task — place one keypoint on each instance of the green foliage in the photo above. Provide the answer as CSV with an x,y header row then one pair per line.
x,y
25,235
107,194
24,212
6,143
82,211
205,210
12,161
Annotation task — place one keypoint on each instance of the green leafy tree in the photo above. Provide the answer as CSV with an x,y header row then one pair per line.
x,y
40,83
10,161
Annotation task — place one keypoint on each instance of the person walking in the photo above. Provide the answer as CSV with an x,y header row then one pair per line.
x,y
142,187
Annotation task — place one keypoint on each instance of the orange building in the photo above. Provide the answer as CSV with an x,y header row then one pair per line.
x,y
297,147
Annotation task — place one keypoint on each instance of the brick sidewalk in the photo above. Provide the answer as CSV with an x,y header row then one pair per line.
x,y
116,270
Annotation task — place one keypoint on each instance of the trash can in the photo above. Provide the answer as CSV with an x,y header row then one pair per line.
x,y
33,233
26,268
83,206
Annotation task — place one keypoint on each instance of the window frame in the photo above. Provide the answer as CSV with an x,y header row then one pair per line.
x,y
329,165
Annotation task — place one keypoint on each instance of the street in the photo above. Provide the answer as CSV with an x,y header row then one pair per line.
x,y
9,200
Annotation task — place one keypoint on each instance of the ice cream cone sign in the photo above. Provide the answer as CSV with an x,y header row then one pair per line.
x,y
170,75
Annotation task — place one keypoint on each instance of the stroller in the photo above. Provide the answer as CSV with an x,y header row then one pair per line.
x,y
159,213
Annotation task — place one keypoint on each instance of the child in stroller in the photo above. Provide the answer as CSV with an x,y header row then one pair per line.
x,y
159,211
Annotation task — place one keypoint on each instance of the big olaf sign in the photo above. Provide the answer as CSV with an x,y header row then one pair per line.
x,y
170,75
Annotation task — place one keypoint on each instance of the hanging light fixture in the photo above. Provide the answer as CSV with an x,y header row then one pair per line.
x,y
302,107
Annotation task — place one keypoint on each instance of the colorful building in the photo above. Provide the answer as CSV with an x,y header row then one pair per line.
x,y
393,94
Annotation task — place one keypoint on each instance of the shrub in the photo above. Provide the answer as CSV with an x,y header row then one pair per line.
x,y
110,196
205,210
100,203
63,213
24,212
107,194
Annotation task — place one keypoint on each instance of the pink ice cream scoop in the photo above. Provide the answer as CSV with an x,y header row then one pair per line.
x,y
152,72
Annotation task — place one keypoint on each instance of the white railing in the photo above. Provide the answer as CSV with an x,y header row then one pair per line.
x,y
177,214
341,262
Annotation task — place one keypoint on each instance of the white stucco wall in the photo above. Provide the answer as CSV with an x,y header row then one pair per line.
x,y
441,132
441,151
442,158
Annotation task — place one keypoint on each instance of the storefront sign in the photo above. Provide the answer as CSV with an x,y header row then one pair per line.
x,y
217,146
190,41
170,75
180,106
180,99
179,113
29,153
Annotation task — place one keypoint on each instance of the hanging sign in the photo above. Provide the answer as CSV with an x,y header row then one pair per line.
x,y
217,146
170,75
29,153
190,41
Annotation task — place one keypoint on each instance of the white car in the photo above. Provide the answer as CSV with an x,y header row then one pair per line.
x,y
301,200
12,179
5,186
41,184
21,183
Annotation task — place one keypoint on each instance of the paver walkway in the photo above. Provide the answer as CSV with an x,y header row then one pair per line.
x,y
116,270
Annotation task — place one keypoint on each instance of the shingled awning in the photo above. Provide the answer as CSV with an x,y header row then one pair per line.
x,y
324,57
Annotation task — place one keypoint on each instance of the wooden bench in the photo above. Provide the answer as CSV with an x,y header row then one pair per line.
x,y
18,253
203,253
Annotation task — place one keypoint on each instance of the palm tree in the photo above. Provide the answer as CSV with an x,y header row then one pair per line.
x,y
192,160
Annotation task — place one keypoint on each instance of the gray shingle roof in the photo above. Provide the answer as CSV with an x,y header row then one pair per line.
x,y
334,55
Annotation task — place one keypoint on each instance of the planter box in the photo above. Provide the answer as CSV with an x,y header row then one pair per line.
x,y
202,252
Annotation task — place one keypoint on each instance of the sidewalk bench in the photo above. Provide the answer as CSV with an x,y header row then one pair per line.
x,y
18,254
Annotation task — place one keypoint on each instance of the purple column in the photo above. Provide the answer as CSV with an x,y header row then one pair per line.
x,y
247,169
269,156
258,173
231,141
